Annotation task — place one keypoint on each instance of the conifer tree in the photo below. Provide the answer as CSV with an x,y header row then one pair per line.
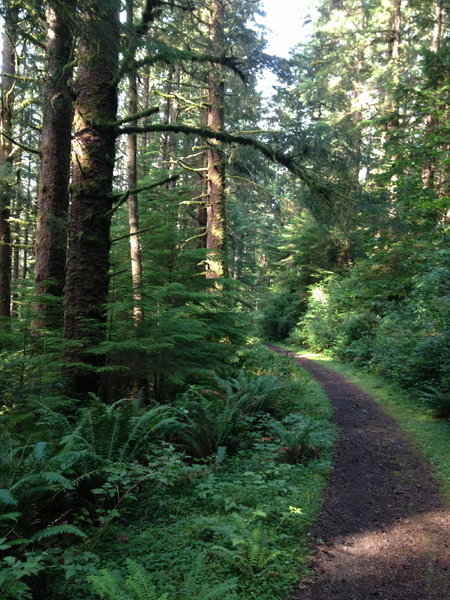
x,y
9,61
92,178
53,194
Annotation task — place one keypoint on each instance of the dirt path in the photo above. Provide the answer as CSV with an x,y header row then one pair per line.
x,y
383,532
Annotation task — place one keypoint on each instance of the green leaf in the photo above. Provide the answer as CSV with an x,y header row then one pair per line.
x,y
7,498
40,450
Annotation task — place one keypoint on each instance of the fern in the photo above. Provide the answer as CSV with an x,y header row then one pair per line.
x,y
40,450
48,477
107,587
57,530
219,590
136,586
7,498
139,582
252,556
149,426
53,420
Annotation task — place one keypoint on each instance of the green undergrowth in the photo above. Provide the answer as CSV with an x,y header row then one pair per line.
x,y
238,526
429,435
212,496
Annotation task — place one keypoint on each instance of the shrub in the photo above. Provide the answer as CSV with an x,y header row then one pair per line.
x,y
280,312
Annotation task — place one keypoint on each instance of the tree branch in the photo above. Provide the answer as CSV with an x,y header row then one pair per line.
x,y
323,189
140,115
23,146
164,53
122,198
128,235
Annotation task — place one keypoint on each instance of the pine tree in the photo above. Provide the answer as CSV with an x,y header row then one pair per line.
x,y
53,194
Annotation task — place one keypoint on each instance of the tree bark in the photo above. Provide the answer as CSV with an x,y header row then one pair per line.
x,y
216,204
89,223
431,122
133,211
7,96
53,194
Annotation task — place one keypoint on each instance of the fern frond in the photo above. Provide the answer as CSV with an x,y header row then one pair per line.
x,y
138,582
107,586
57,530
7,498
40,450
53,419
49,477
220,590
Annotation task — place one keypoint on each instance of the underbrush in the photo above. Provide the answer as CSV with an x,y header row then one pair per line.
x,y
212,496
391,319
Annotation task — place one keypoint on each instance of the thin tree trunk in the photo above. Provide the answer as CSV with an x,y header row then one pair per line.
x,y
53,194
393,107
164,137
7,94
89,223
216,217
202,211
145,140
429,165
26,239
133,212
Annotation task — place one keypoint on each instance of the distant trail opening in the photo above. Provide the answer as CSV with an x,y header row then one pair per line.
x,y
383,532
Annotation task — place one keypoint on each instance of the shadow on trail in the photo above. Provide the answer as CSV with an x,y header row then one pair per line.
x,y
384,532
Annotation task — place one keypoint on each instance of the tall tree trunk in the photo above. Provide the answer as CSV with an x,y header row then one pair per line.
x,y
201,214
7,93
431,122
216,205
27,232
164,138
133,212
89,223
53,194
391,135
145,140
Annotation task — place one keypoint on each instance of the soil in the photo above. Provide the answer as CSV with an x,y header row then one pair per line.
x,y
384,532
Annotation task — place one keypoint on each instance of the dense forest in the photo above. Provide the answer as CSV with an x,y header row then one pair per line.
x,y
160,218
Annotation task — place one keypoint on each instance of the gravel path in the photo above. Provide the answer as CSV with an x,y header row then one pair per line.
x,y
384,532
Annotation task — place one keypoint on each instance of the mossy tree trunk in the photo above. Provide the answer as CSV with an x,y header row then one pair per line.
x,y
92,177
53,194
216,197
6,122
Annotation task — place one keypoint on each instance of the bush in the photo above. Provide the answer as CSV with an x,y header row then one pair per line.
x,y
280,312
217,416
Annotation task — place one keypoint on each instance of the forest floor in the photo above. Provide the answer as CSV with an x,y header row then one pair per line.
x,y
384,532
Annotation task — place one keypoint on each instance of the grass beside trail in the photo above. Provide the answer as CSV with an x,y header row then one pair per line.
x,y
430,435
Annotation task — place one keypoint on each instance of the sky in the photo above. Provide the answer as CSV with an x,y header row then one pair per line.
x,y
285,20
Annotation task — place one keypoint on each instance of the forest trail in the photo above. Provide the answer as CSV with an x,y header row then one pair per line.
x,y
384,532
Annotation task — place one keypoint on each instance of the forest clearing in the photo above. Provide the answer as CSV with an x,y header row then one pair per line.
x,y
169,226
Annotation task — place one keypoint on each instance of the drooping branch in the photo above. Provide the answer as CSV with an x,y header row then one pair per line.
x,y
122,198
324,189
161,52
